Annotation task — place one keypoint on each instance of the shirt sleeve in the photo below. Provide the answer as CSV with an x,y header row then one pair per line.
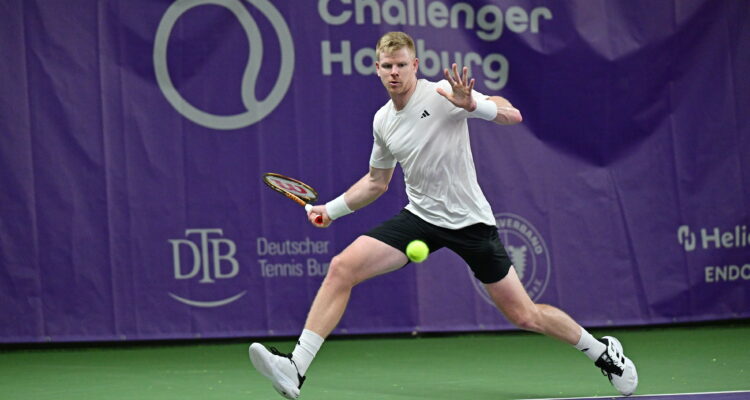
x,y
380,157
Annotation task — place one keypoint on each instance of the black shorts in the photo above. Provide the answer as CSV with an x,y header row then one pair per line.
x,y
478,244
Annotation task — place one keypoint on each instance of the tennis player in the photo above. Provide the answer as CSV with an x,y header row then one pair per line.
x,y
424,128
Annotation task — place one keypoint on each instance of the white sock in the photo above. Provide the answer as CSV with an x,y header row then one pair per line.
x,y
307,347
590,346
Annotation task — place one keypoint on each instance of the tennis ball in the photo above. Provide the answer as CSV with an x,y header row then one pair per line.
x,y
417,251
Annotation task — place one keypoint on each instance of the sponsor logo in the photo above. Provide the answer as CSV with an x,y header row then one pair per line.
x,y
722,240
424,114
292,187
212,260
713,238
527,251
256,109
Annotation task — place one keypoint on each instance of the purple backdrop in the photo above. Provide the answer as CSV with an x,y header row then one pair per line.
x,y
133,135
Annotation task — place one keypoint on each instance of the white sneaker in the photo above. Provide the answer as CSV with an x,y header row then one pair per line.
x,y
279,368
618,368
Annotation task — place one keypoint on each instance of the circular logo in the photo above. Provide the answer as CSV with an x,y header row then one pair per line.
x,y
256,109
527,251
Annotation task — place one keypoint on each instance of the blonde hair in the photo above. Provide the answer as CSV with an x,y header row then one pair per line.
x,y
394,41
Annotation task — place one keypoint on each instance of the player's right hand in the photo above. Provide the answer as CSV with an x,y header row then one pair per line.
x,y
319,211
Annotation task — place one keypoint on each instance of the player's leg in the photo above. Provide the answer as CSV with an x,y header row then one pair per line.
x,y
512,299
365,258
480,246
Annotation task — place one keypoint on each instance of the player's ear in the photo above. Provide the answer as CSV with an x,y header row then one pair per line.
x,y
416,64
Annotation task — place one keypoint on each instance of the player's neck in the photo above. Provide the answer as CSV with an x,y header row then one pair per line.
x,y
400,100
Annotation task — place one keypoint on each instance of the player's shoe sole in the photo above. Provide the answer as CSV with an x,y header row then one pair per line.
x,y
277,369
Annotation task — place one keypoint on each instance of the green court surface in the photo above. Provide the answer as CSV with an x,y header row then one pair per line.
x,y
508,365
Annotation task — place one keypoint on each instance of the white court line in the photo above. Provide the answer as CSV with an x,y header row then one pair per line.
x,y
641,395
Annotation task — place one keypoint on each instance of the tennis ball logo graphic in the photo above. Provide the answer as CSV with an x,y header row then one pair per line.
x,y
256,109
417,251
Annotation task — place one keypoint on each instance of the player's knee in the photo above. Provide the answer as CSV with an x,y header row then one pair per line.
x,y
339,273
527,319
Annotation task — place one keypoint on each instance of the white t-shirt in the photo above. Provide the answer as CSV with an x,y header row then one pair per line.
x,y
430,139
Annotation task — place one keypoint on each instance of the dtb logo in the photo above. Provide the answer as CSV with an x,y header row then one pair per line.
x,y
211,259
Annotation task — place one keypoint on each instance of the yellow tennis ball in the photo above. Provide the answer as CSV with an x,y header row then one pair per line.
x,y
417,251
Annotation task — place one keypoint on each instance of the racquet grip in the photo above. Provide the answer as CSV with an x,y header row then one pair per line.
x,y
318,219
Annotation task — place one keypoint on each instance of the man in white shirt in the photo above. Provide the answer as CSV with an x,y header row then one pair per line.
x,y
424,128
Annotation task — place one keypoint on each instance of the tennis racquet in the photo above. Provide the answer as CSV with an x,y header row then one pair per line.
x,y
301,193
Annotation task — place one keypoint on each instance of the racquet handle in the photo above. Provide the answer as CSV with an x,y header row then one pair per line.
x,y
318,219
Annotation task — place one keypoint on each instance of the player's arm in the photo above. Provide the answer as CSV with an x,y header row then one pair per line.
x,y
363,192
506,113
369,188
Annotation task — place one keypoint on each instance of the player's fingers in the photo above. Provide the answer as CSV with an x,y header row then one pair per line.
x,y
314,214
317,219
448,77
324,223
471,84
320,221
465,76
455,72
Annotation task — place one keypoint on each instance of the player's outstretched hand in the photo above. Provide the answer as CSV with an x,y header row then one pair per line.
x,y
461,89
319,211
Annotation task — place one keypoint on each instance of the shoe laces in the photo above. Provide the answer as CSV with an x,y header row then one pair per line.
x,y
276,352
612,361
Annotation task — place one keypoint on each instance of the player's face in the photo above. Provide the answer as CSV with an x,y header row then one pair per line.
x,y
397,71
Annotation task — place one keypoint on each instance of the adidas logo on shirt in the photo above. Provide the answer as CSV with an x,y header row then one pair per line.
x,y
424,114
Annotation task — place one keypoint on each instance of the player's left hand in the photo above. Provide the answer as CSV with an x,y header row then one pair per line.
x,y
461,89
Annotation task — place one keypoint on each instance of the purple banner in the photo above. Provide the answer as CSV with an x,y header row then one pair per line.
x,y
134,135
